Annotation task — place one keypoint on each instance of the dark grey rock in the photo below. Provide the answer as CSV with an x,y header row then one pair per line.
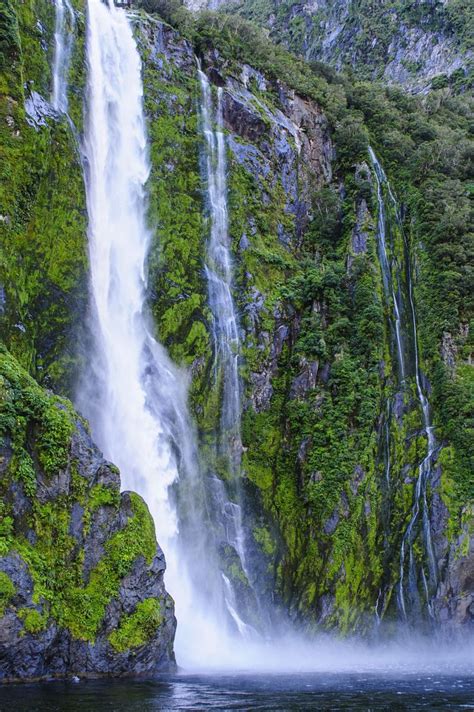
x,y
306,380
329,526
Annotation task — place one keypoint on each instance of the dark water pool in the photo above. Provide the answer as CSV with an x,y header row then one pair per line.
x,y
309,691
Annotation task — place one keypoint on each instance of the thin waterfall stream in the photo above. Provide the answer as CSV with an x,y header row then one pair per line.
x,y
219,275
409,578
63,38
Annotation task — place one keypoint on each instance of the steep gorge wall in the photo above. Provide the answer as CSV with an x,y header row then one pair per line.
x,y
317,364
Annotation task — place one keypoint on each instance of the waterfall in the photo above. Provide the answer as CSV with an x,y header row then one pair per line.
x,y
225,331
134,397
385,264
63,37
408,327
219,278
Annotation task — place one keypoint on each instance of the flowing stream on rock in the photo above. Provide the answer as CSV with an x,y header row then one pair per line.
x,y
405,329
219,274
63,39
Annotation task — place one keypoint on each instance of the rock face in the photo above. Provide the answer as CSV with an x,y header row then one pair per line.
x,y
312,466
412,44
81,574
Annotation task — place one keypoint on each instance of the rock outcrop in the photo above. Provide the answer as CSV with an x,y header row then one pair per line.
x,y
81,574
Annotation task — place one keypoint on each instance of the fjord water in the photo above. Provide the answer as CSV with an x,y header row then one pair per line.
x,y
405,330
330,691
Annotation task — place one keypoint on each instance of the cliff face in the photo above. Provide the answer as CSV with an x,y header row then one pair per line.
x,y
416,44
81,575
323,531
318,369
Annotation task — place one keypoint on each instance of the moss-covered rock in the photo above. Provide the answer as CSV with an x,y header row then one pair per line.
x,y
79,561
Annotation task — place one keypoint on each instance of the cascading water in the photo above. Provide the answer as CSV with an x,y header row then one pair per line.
x,y
385,264
63,38
133,396
420,507
219,279
218,271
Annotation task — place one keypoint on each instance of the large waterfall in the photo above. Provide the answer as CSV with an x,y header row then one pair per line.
x,y
63,37
133,396
412,575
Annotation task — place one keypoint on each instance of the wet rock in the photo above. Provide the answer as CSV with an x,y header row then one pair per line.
x,y
448,351
38,111
357,479
241,119
454,602
360,233
329,526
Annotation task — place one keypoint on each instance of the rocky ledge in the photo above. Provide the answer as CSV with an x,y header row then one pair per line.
x,y
81,574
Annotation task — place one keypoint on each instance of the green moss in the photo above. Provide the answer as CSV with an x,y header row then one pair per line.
x,y
7,591
33,621
263,537
139,627
42,201
81,608
100,496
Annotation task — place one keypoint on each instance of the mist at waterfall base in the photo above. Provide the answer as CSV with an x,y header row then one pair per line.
x,y
136,399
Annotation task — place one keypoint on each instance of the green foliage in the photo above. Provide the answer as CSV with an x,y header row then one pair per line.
x,y
7,591
239,40
367,30
81,608
42,225
352,140
10,47
139,627
33,621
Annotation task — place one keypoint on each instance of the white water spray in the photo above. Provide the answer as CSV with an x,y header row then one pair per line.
x,y
63,38
425,469
133,396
